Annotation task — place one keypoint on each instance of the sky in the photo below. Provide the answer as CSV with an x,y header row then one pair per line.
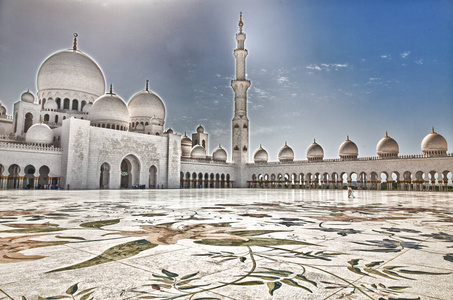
x,y
319,69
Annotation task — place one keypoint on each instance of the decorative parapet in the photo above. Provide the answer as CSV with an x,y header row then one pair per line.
x,y
297,162
11,137
206,160
30,147
6,117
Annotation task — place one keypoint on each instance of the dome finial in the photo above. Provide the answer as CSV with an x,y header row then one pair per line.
x,y
433,129
386,134
75,41
40,120
111,89
314,141
147,81
240,22
347,137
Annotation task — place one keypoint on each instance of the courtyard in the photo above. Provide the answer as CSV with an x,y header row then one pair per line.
x,y
225,244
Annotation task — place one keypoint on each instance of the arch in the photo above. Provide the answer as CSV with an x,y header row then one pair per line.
x,y
75,104
46,118
83,104
203,143
58,101
28,121
29,178
206,180
188,179
56,119
43,102
384,178
222,181
43,179
2,169
200,180
181,180
66,103
194,180
13,177
217,180
228,182
152,177
212,183
104,176
130,171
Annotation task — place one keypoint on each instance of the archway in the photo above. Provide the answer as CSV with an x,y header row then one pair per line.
x,y
152,177
2,169
130,172
181,180
43,176
29,178
104,178
28,121
13,177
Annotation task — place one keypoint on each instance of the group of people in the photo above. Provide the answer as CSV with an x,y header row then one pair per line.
x,y
350,192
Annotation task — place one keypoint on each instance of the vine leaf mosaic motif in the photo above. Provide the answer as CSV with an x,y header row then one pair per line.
x,y
225,247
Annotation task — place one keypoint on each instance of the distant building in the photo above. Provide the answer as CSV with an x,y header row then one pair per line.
x,y
74,135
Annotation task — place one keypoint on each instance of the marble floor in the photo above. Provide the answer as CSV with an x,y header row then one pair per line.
x,y
225,244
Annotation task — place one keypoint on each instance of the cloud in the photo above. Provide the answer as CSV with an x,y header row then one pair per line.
x,y
405,54
282,79
419,62
386,56
326,67
260,92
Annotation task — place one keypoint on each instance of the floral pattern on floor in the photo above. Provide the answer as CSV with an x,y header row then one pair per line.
x,y
225,244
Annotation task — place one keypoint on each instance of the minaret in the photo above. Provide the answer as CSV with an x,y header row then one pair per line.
x,y
240,123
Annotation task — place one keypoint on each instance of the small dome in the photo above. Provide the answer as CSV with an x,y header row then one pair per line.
x,y
109,109
315,152
71,70
434,144
170,131
146,104
348,149
387,147
50,104
200,129
39,133
87,107
286,153
198,152
219,154
260,155
155,121
27,97
2,109
185,140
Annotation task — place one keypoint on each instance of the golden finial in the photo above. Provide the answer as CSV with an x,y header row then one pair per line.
x,y
147,81
40,120
386,134
433,129
314,141
75,41
347,137
111,89
240,22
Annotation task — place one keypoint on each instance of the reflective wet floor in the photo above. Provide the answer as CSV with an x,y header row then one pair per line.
x,y
226,244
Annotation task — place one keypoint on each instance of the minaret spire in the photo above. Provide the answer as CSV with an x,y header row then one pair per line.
x,y
240,122
147,81
74,47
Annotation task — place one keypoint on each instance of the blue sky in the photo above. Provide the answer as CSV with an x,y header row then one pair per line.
x,y
319,69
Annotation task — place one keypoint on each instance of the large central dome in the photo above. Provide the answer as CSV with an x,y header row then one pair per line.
x,y
73,71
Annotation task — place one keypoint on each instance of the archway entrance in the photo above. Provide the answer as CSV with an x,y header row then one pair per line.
x,y
130,172
104,179
29,178
152,177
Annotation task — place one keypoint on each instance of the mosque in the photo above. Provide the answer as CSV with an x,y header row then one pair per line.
x,y
74,135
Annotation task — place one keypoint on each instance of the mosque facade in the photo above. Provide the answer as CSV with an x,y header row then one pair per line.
x,y
74,135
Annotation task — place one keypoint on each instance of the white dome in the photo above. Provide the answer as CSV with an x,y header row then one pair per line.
x,y
434,144
87,107
260,155
71,70
27,97
315,152
198,152
387,147
200,129
39,133
2,109
146,104
186,146
219,154
50,104
170,131
185,140
109,109
348,149
286,153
